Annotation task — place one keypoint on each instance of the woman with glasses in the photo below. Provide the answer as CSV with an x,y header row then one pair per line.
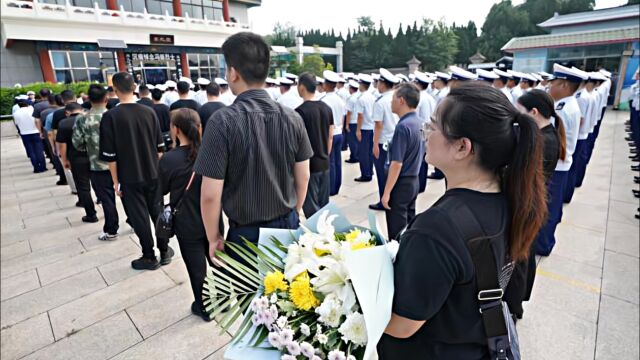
x,y
491,155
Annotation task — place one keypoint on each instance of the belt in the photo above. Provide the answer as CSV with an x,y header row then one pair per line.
x,y
234,225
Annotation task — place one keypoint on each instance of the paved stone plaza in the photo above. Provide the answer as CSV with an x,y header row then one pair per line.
x,y
67,295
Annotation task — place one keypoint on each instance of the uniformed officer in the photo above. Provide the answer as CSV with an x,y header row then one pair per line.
x,y
426,108
364,129
487,76
385,124
226,96
405,156
440,84
458,74
170,95
562,89
342,90
501,83
201,94
272,88
351,121
288,97
374,86
594,111
338,108
544,84
514,85
583,98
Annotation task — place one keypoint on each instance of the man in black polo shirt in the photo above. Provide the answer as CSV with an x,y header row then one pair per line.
x,y
184,102
144,94
212,105
318,120
59,114
405,155
131,141
254,158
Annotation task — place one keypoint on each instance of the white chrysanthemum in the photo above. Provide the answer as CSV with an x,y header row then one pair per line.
x,y
337,355
287,357
282,322
316,358
330,311
351,357
274,340
293,348
307,350
354,329
322,338
274,298
286,336
305,330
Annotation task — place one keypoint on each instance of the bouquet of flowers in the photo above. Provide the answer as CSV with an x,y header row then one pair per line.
x,y
324,291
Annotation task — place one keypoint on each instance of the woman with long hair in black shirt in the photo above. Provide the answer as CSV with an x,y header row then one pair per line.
x,y
491,155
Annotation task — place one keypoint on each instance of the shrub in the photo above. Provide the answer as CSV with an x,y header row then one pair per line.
x,y
7,95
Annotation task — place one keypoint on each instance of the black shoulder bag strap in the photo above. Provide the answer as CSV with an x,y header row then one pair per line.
x,y
184,193
487,279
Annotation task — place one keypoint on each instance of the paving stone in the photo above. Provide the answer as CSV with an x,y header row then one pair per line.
x,y
49,297
14,250
99,341
623,212
177,271
617,330
593,217
591,244
92,308
191,338
623,238
39,258
19,284
620,276
87,260
218,355
26,337
152,315
118,270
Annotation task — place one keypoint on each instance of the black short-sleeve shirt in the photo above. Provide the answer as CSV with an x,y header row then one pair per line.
x,y
58,115
164,117
65,135
146,101
207,110
435,281
130,134
112,102
551,150
185,103
38,107
318,118
253,145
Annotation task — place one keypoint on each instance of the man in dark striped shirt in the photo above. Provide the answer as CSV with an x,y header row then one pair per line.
x,y
255,154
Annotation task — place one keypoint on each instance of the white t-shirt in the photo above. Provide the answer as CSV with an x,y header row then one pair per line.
x,y
338,108
170,97
365,107
583,98
426,106
382,113
24,120
352,106
290,99
569,112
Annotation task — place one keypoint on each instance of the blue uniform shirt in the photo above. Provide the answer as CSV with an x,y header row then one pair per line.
x,y
407,146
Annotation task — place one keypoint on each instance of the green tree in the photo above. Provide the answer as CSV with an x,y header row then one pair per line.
x,y
283,35
437,46
503,22
367,24
467,42
572,6
633,2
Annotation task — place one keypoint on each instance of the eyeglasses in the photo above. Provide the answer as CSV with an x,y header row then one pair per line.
x,y
428,128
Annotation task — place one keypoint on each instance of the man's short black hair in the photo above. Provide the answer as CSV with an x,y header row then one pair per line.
x,y
213,89
44,93
143,90
123,81
410,93
249,54
183,87
308,81
71,107
67,95
156,94
97,94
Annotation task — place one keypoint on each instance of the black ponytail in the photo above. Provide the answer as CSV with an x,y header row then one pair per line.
x,y
188,121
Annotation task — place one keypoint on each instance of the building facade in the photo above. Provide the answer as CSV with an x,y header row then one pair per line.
x,y
64,41
606,38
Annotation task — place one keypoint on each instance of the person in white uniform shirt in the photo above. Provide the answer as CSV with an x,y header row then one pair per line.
x,y
351,121
338,108
364,128
487,76
604,89
273,88
544,84
30,135
342,89
319,88
562,89
584,99
501,83
374,86
592,117
458,75
226,96
514,85
201,94
288,97
426,107
441,86
170,95
385,124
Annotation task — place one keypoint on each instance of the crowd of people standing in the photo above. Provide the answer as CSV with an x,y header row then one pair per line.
x,y
511,146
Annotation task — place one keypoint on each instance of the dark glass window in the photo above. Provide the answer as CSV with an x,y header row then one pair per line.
x,y
199,8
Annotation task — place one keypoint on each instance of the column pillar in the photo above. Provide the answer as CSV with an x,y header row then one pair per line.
x,y
184,63
122,64
299,49
177,8
339,56
112,5
225,10
45,65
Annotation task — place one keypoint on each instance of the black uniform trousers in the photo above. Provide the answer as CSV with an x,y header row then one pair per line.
x,y
142,203
103,187
81,176
403,205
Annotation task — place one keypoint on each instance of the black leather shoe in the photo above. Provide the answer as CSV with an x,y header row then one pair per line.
x,y
62,182
377,206
78,204
362,179
197,310
165,257
90,219
350,161
636,193
144,263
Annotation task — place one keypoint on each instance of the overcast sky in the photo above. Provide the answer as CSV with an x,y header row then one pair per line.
x,y
342,14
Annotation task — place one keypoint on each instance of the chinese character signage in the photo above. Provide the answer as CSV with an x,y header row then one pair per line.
x,y
157,39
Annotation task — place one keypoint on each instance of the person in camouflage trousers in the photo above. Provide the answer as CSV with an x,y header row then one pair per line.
x,y
86,137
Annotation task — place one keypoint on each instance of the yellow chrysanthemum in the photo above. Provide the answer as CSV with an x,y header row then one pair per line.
x,y
274,281
320,252
300,293
356,240
352,235
360,245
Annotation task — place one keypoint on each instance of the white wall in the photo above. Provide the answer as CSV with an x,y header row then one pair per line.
x,y
239,12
